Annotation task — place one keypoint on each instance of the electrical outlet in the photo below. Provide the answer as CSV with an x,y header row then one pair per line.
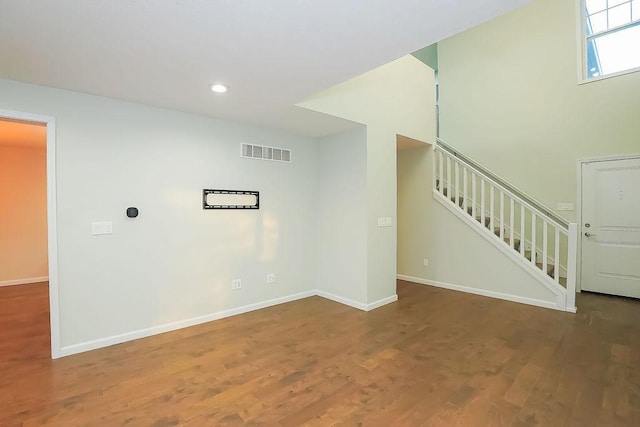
x,y
236,284
271,278
426,262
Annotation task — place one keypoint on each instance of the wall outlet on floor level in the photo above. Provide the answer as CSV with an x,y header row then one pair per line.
x,y
236,284
271,278
425,262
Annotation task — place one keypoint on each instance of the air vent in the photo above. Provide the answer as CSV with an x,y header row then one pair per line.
x,y
251,151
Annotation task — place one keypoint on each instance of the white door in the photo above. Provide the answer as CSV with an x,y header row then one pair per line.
x,y
611,227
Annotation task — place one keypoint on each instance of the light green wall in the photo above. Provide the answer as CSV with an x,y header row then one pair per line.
x,y
510,99
414,217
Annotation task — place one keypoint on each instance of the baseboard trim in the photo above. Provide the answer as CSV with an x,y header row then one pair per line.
x,y
356,304
23,281
482,292
168,327
381,302
342,300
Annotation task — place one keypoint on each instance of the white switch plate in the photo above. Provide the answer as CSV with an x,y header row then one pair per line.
x,y
271,278
564,207
99,228
426,262
236,284
385,221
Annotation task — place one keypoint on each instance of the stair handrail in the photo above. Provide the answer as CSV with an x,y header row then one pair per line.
x,y
532,202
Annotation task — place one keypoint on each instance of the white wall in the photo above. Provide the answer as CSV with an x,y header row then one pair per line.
x,y
510,99
396,98
23,214
175,261
341,251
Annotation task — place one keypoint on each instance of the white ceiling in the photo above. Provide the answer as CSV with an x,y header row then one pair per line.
x,y
272,54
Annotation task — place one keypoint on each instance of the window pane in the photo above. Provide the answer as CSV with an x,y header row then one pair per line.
x,y
620,15
636,10
594,6
613,3
598,23
614,52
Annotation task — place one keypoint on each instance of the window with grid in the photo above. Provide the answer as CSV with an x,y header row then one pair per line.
x,y
611,36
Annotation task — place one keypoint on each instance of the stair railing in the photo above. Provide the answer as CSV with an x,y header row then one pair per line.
x,y
545,241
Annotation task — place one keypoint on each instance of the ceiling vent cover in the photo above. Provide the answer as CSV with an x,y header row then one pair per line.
x,y
251,151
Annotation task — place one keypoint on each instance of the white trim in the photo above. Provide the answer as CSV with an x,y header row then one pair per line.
x,y
381,302
580,43
579,223
52,222
167,327
357,304
483,292
608,76
609,158
23,281
581,38
342,300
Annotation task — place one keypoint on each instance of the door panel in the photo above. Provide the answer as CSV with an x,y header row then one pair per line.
x,y
611,227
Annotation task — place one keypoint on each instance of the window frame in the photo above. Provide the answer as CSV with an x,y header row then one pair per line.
x,y
583,46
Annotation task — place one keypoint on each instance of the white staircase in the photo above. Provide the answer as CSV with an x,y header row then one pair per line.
x,y
542,243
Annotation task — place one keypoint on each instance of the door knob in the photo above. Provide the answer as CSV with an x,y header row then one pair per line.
x,y
589,234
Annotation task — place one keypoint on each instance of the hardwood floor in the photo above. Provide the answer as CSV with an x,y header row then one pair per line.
x,y
435,358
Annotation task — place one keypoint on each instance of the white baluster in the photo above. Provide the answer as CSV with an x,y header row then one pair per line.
x,y
457,172
522,233
465,197
491,208
533,238
502,224
512,208
442,182
448,176
544,246
482,208
556,257
473,195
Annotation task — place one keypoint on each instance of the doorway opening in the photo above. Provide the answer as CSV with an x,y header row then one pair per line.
x,y
28,236
414,172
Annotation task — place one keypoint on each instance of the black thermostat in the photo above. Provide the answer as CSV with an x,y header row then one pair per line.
x,y
132,212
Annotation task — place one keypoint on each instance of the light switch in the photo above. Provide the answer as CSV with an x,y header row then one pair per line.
x,y
381,222
388,222
99,228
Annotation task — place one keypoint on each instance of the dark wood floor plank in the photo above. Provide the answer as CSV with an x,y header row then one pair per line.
x,y
434,358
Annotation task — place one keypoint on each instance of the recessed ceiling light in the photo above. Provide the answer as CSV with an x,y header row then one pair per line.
x,y
219,88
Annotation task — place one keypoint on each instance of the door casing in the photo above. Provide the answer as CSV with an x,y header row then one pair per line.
x,y
52,224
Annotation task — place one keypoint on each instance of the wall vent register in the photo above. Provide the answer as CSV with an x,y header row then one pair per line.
x,y
262,152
